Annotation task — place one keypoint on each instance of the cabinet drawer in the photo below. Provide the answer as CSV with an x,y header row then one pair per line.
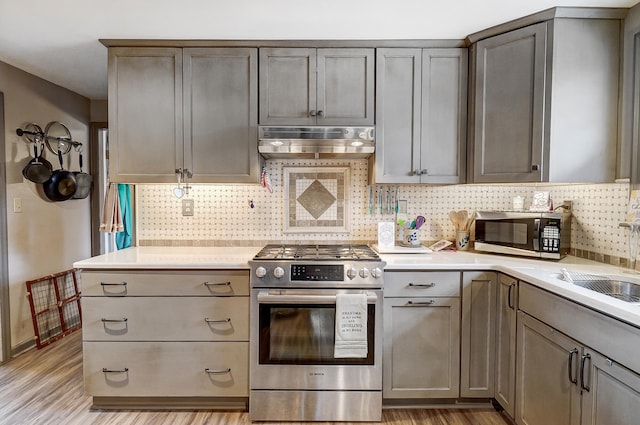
x,y
421,284
165,319
165,282
164,369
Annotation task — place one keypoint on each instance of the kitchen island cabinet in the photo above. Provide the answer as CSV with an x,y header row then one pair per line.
x,y
324,86
167,335
421,352
531,112
191,109
421,115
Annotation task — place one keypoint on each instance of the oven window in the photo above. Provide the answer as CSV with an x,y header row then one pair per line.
x,y
305,334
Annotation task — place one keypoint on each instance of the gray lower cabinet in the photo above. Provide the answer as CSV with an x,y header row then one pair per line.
x,y
613,394
191,108
167,336
308,86
421,114
534,117
547,389
505,375
421,353
477,352
575,365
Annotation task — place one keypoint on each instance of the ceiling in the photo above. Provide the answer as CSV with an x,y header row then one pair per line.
x,y
58,40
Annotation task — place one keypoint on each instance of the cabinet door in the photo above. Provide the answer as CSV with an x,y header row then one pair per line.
x,y
613,394
287,86
444,116
505,377
509,91
421,348
544,387
478,334
345,87
398,99
221,114
145,114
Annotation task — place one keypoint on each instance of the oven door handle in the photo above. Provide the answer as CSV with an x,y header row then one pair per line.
x,y
265,297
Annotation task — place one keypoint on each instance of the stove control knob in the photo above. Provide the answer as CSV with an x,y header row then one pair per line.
x,y
352,273
261,272
376,273
364,273
278,272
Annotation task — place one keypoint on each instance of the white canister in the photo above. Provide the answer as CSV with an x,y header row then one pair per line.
x,y
518,203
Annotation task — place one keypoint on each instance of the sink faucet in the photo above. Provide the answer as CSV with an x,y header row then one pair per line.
x,y
634,235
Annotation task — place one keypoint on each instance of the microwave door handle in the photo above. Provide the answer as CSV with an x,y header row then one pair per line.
x,y
536,235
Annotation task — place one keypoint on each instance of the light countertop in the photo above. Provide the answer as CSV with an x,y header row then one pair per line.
x,y
156,257
542,273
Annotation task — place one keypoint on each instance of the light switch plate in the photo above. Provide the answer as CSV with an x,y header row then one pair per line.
x,y
187,207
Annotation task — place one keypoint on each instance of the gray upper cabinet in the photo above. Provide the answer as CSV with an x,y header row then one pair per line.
x,y
308,86
421,115
221,114
545,100
193,108
145,114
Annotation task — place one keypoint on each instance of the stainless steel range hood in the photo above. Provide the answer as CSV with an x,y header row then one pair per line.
x,y
315,142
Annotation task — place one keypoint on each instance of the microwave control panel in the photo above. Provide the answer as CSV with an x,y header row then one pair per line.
x,y
550,235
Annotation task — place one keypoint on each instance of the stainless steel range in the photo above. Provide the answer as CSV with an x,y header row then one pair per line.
x,y
297,371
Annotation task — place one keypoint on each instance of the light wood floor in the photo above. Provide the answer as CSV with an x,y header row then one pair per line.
x,y
45,387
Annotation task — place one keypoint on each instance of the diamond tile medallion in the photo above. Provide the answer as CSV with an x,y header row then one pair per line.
x,y
316,199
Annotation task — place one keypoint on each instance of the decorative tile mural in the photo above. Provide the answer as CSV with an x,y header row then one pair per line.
x,y
315,199
223,215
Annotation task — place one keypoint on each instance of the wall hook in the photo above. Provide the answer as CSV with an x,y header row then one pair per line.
x,y
251,204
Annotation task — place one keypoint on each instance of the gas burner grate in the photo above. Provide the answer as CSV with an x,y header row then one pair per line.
x,y
317,252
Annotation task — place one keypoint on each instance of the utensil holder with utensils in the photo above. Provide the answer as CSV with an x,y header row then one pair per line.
x,y
462,222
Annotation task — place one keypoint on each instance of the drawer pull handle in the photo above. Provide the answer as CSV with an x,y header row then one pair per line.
x,y
113,283
105,370
207,320
422,285
587,388
217,284
123,320
572,353
419,303
217,371
509,299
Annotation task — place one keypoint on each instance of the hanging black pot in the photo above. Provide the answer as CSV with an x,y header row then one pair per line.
x,y
61,185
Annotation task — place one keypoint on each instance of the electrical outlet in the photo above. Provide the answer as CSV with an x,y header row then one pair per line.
x,y
187,207
17,205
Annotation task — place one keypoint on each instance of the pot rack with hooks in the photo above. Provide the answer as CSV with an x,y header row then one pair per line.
x,y
63,143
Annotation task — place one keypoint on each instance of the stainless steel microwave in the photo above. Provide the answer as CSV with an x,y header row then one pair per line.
x,y
532,234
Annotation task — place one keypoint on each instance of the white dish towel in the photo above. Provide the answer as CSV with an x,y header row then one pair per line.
x,y
351,326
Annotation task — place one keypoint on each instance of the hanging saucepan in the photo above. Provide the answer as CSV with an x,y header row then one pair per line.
x,y
38,170
84,180
62,184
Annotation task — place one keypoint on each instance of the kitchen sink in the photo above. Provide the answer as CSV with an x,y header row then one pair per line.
x,y
620,289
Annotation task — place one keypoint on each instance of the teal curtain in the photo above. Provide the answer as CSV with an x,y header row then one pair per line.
x,y
123,239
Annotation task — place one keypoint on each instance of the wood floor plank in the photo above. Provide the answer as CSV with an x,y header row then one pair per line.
x,y
46,387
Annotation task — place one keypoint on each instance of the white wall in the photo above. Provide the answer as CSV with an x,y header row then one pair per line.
x,y
46,237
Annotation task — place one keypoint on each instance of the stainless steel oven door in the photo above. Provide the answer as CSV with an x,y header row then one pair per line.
x,y
292,342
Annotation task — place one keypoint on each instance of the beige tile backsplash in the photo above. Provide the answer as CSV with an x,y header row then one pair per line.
x,y
223,215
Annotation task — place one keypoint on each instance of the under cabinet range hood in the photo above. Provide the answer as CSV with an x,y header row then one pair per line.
x,y
315,142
